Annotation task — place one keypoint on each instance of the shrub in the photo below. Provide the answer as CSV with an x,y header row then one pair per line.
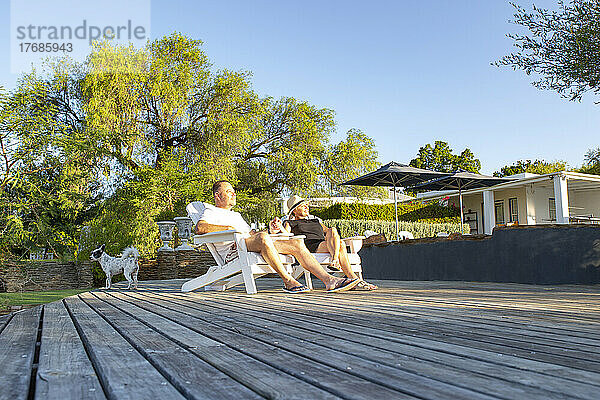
x,y
432,213
418,229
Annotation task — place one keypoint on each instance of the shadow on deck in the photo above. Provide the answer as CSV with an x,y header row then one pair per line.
x,y
427,340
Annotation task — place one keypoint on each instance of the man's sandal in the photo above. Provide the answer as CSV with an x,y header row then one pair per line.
x,y
296,289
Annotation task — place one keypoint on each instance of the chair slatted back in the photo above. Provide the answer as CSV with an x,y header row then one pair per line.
x,y
195,210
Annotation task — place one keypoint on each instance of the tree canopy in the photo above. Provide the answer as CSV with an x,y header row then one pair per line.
x,y
534,167
440,157
561,46
591,164
131,136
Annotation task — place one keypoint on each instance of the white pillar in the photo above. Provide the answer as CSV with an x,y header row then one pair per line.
x,y
489,216
561,198
530,205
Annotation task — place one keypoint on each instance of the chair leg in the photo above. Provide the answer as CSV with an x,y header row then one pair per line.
x,y
308,280
249,280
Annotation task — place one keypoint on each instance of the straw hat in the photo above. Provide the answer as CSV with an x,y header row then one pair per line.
x,y
294,202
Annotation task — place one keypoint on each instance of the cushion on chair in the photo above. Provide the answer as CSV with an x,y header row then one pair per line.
x,y
325,258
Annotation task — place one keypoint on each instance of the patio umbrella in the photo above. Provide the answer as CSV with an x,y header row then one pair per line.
x,y
460,180
395,175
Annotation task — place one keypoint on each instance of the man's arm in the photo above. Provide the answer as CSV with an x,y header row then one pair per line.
x,y
203,227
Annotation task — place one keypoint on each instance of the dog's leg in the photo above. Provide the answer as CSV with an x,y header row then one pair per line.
x,y
108,280
135,274
127,274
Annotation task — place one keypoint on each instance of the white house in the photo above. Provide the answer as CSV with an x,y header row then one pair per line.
x,y
529,199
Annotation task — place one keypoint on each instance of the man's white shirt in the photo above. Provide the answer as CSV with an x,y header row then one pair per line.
x,y
221,216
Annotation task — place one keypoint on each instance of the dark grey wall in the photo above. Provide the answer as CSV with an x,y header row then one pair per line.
x,y
551,254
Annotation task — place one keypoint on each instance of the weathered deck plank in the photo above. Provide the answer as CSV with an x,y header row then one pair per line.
x,y
428,340
363,357
17,350
338,382
341,358
124,373
64,368
169,357
460,370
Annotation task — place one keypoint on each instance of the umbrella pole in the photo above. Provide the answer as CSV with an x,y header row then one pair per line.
x,y
396,209
461,209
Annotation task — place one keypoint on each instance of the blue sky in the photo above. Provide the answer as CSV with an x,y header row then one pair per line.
x,y
406,73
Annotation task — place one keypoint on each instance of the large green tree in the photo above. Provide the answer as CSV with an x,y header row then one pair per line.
x,y
534,167
591,163
561,47
135,134
348,159
440,157
45,196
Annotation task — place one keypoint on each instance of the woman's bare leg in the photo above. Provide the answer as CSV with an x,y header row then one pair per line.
x,y
333,241
297,248
343,260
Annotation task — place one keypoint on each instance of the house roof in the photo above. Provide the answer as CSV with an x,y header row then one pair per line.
x,y
578,181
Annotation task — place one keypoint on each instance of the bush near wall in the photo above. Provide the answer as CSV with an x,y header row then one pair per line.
x,y
431,213
348,228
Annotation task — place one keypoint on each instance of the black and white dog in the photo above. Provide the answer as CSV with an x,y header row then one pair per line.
x,y
114,265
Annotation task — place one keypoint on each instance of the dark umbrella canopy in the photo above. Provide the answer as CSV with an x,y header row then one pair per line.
x,y
395,174
461,180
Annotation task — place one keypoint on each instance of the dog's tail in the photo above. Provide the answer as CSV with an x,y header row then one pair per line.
x,y
130,252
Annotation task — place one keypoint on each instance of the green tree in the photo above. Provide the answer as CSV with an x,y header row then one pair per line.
x,y
439,157
561,46
44,196
131,136
348,159
591,164
540,167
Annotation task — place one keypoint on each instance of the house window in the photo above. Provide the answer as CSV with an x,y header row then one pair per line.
x,y
552,209
499,209
513,210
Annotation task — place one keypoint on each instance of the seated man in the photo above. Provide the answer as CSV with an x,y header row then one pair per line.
x,y
319,238
221,218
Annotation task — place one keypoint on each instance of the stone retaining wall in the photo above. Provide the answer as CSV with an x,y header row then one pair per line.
x,y
44,275
53,275
175,264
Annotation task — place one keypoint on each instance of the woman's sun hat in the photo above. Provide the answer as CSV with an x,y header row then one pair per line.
x,y
293,202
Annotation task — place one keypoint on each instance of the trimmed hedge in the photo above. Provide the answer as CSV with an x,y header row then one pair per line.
x,y
430,213
348,228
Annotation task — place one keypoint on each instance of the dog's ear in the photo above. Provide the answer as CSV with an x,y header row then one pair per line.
x,y
102,247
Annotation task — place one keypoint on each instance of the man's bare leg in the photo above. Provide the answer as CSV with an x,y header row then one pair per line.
x,y
297,248
263,244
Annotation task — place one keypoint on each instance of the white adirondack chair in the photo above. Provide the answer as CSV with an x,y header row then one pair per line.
x,y
241,270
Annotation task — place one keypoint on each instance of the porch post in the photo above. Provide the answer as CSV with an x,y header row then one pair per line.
x,y
489,217
561,199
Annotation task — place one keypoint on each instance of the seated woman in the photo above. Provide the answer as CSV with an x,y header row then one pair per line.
x,y
319,238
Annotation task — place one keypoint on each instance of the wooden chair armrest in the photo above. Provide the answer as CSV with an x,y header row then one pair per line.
x,y
215,237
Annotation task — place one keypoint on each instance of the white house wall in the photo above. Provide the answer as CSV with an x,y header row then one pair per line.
x,y
541,210
584,202
473,203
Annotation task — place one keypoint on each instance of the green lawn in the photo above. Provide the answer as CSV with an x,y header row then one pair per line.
x,y
29,298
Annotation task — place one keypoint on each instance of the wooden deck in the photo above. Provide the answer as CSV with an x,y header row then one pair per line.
x,y
408,340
